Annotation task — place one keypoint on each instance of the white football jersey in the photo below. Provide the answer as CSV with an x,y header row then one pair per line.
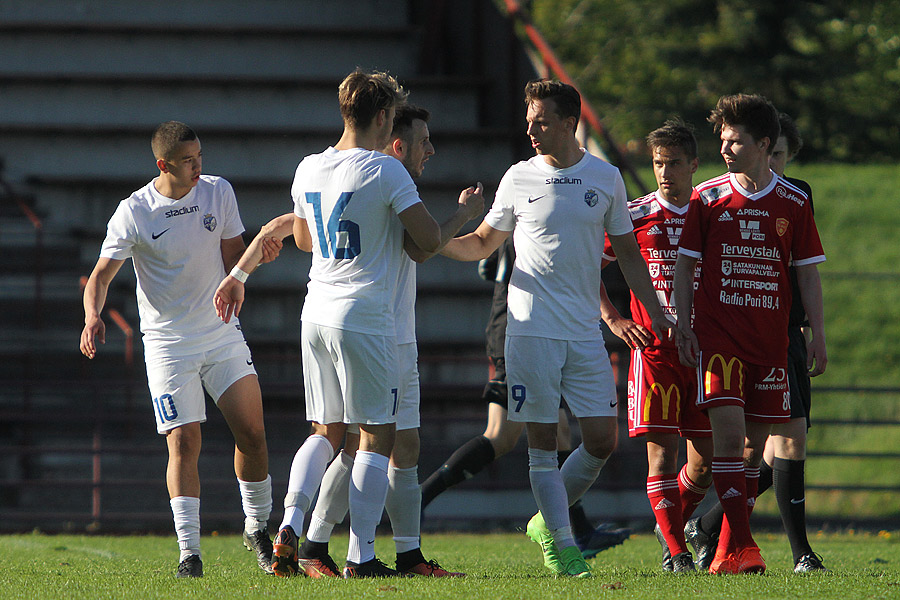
x,y
405,301
349,199
559,217
176,247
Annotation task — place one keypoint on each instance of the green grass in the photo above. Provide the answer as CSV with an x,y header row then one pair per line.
x,y
500,566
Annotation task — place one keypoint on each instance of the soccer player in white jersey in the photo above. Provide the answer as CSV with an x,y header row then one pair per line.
x,y
748,225
560,203
183,233
346,203
410,143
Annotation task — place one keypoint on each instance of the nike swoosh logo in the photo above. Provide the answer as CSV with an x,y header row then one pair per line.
x,y
800,501
530,199
613,404
249,362
371,542
156,235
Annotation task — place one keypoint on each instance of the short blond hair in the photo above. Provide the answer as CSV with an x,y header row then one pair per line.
x,y
362,94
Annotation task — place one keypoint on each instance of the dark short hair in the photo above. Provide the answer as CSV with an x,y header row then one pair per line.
x,y
758,116
404,117
362,94
565,96
791,133
167,136
674,133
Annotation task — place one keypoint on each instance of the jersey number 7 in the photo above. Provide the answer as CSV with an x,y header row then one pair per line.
x,y
335,225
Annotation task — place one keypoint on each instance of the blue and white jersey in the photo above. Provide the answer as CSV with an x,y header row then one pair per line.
x,y
350,199
559,217
176,247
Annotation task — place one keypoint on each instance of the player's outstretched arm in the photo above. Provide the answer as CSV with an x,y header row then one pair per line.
x,y
683,294
811,294
469,206
265,247
94,299
633,334
477,245
633,267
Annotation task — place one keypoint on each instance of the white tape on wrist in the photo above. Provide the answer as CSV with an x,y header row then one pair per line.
x,y
239,274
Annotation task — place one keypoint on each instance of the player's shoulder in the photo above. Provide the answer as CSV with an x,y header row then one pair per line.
x,y
643,206
713,189
790,190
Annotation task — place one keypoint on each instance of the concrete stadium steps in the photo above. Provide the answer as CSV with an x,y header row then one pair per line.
x,y
205,13
211,101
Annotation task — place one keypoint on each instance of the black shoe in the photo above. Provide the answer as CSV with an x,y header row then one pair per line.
x,y
370,568
284,556
667,564
704,545
260,543
192,566
810,563
602,538
683,563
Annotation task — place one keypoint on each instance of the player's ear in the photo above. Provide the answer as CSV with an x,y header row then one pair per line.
x,y
161,164
695,163
397,147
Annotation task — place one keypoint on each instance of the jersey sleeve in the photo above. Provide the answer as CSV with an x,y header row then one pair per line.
x,y
502,215
232,226
400,191
121,234
692,234
806,247
618,221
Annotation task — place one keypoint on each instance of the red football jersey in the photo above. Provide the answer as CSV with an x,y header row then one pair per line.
x,y
746,242
657,228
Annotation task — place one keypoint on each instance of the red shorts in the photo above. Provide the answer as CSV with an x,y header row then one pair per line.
x,y
662,396
761,390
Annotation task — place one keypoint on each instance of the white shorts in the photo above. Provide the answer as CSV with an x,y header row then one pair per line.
x,y
349,377
408,391
539,371
177,383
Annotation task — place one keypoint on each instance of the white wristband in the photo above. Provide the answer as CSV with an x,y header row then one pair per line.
x,y
240,275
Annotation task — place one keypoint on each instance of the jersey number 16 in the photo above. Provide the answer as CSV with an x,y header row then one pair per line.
x,y
335,226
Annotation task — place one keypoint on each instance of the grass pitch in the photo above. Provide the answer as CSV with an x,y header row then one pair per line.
x,y
499,566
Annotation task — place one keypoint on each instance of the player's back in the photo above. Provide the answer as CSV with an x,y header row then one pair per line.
x,y
349,199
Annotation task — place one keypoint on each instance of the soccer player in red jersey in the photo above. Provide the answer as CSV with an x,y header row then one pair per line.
x,y
749,225
661,391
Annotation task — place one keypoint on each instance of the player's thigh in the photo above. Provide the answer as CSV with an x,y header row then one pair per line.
x,y
367,369
230,379
321,384
534,373
176,391
587,381
408,395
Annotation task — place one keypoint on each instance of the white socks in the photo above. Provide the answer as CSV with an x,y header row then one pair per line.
x,y
256,498
186,512
307,471
334,499
550,494
368,490
404,507
579,473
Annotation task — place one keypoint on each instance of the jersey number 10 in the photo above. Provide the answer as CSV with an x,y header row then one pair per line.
x,y
335,226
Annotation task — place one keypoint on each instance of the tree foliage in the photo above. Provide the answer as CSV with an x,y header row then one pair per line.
x,y
833,65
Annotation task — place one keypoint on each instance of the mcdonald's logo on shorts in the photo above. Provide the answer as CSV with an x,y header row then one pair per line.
x,y
727,371
666,396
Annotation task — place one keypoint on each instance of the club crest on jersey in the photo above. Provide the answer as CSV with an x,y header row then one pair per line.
x,y
726,268
781,226
654,270
209,221
591,198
